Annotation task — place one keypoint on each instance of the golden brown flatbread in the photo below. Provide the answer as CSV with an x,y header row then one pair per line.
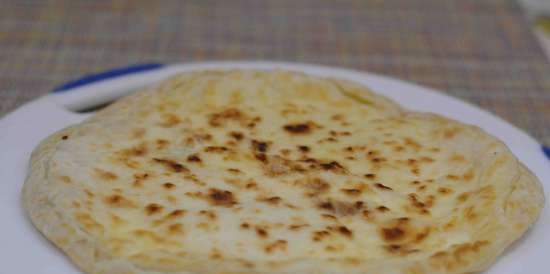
x,y
276,172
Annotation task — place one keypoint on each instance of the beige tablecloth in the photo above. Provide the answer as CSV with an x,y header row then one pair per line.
x,y
479,50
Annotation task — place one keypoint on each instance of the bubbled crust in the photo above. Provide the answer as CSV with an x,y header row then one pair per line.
x,y
344,209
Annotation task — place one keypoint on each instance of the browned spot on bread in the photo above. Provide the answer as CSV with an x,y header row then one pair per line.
x,y
168,185
105,175
219,197
259,146
314,186
118,200
412,143
382,187
463,249
319,235
451,132
444,190
399,249
297,227
175,228
169,120
274,200
277,245
370,176
351,191
341,208
304,149
162,143
153,208
194,158
299,128
345,231
262,232
245,225
231,114
333,166
468,176
463,197
64,137
234,170
209,214
236,135
176,213
215,149
382,209
392,234
328,216
171,165
251,185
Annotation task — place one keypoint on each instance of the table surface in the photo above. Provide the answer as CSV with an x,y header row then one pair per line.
x,y
480,51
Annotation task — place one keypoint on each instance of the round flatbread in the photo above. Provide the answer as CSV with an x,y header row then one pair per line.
x,y
276,172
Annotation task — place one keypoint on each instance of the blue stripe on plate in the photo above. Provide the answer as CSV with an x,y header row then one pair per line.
x,y
113,73
546,151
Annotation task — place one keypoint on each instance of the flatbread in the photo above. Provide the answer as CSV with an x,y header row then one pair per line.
x,y
276,172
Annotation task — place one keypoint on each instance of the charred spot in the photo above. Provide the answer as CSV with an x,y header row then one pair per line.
x,y
392,234
221,197
194,158
153,208
326,206
304,149
331,166
345,231
172,165
262,232
382,187
236,135
245,225
259,146
251,185
382,209
415,182
168,185
298,128
64,137
261,157
370,176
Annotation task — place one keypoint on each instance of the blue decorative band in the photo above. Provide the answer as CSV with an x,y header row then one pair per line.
x,y
88,79
546,151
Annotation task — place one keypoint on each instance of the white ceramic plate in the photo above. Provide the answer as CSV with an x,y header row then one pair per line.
x,y
24,250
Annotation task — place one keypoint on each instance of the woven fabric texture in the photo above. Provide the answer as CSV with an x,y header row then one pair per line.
x,y
479,50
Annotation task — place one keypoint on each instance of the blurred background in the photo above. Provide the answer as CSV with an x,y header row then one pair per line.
x,y
483,51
